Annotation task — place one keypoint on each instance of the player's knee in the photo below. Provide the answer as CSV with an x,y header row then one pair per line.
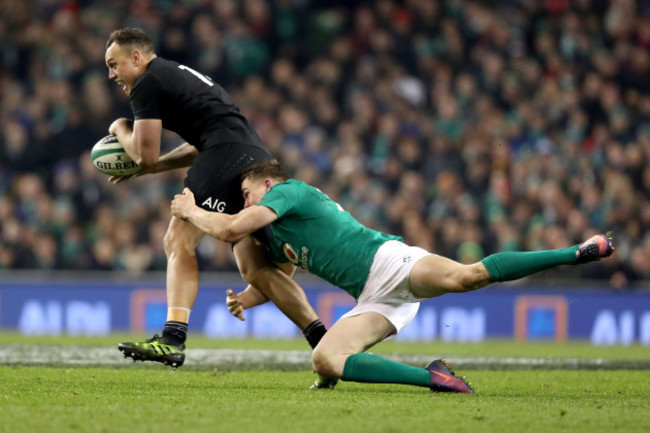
x,y
252,275
173,242
325,362
466,280
168,240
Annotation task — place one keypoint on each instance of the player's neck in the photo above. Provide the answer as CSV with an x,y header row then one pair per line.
x,y
148,60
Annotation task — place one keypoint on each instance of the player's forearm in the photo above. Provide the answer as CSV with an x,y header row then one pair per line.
x,y
251,297
141,140
124,133
217,225
180,157
225,227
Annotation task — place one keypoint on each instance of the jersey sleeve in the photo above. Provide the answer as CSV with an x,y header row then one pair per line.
x,y
282,198
145,98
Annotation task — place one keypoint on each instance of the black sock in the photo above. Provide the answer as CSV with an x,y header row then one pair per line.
x,y
314,332
175,332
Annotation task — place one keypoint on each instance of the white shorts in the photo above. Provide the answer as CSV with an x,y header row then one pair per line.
x,y
387,289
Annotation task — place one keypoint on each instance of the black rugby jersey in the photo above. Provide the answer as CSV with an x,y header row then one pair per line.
x,y
190,104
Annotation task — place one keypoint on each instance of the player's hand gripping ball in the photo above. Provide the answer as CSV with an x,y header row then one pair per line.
x,y
110,158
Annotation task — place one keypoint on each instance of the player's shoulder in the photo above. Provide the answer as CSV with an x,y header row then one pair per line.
x,y
286,185
289,189
289,183
160,68
158,71
162,63
304,192
294,185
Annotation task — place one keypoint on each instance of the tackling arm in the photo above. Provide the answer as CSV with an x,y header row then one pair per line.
x,y
251,297
227,228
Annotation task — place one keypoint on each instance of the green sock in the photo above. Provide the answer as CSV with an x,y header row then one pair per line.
x,y
513,265
367,367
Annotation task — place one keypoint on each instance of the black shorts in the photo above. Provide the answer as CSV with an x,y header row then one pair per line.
x,y
214,177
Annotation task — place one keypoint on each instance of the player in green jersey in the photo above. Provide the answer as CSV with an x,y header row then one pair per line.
x,y
387,277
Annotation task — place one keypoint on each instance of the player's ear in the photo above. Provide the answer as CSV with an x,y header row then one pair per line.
x,y
136,57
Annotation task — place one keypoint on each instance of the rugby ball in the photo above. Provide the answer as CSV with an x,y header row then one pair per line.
x,y
110,158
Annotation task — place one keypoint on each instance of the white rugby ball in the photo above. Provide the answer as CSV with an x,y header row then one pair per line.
x,y
110,158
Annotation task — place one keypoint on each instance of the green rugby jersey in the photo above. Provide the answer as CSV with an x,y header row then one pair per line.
x,y
315,233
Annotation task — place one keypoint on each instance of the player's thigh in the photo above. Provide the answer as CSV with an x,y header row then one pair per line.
x,y
181,233
354,334
436,275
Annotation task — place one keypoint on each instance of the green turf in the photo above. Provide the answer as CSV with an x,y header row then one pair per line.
x,y
151,398
572,349
45,399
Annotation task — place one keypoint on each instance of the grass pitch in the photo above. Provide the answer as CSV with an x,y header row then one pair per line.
x,y
152,398
45,399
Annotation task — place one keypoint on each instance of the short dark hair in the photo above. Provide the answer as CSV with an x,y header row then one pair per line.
x,y
268,168
133,38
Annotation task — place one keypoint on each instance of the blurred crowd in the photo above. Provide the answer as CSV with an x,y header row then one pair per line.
x,y
467,127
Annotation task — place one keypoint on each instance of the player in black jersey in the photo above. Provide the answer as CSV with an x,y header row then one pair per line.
x,y
219,145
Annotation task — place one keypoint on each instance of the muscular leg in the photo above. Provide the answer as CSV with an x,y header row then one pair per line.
x,y
182,286
346,337
339,353
435,275
285,293
182,269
